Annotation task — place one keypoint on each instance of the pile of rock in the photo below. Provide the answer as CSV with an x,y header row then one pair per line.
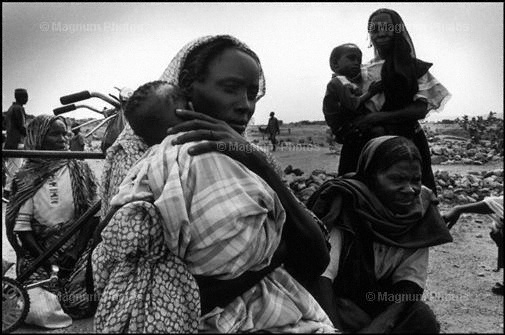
x,y
452,188
305,186
461,151
471,187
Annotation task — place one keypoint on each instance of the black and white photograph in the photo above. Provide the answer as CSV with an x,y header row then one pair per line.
x,y
245,167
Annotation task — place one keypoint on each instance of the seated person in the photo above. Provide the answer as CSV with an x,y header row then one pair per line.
x,y
382,222
48,195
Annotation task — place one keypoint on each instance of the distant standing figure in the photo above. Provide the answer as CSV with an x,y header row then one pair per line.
x,y
77,141
16,129
273,129
16,132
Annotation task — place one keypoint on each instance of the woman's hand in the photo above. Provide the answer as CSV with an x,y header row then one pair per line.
x,y
367,121
451,217
220,137
304,239
375,87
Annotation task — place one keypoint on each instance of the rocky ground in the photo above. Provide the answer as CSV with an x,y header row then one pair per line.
x,y
452,188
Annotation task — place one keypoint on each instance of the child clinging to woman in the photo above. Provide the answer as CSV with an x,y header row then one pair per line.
x,y
344,100
150,111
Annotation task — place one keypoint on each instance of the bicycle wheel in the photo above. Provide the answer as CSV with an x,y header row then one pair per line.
x,y
15,304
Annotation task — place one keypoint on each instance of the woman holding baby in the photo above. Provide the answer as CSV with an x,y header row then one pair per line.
x,y
225,213
410,91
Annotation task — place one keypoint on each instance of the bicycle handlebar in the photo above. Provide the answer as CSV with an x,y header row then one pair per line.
x,y
68,108
75,97
71,98
64,109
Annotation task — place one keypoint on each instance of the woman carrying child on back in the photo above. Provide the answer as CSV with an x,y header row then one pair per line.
x,y
231,220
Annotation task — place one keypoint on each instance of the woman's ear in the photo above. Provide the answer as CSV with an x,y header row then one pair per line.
x,y
185,83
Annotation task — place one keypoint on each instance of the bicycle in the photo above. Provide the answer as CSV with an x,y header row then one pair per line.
x,y
15,299
113,116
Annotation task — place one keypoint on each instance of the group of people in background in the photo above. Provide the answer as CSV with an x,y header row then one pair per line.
x,y
197,229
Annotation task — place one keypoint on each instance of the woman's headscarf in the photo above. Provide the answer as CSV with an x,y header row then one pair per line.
x,y
174,69
367,153
401,68
35,171
37,130
423,226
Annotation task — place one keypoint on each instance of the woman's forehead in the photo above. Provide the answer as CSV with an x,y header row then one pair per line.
x,y
405,166
234,62
57,124
382,17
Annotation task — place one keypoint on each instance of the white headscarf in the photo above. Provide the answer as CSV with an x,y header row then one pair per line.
x,y
173,70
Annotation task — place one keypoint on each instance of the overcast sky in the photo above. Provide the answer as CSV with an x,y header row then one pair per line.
x,y
54,49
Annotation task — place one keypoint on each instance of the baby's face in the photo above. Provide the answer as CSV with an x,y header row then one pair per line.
x,y
349,64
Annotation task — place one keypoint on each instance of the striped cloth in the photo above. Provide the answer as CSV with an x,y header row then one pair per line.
x,y
223,220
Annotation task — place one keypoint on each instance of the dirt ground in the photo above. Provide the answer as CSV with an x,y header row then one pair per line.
x,y
460,273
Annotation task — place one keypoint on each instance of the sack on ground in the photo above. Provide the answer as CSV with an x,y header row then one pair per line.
x,y
45,310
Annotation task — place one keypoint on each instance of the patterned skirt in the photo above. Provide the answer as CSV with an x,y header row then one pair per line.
x,y
142,286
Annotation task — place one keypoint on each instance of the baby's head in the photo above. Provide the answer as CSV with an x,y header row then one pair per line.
x,y
150,110
345,60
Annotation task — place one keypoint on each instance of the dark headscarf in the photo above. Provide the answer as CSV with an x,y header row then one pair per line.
x,y
35,171
422,227
401,68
